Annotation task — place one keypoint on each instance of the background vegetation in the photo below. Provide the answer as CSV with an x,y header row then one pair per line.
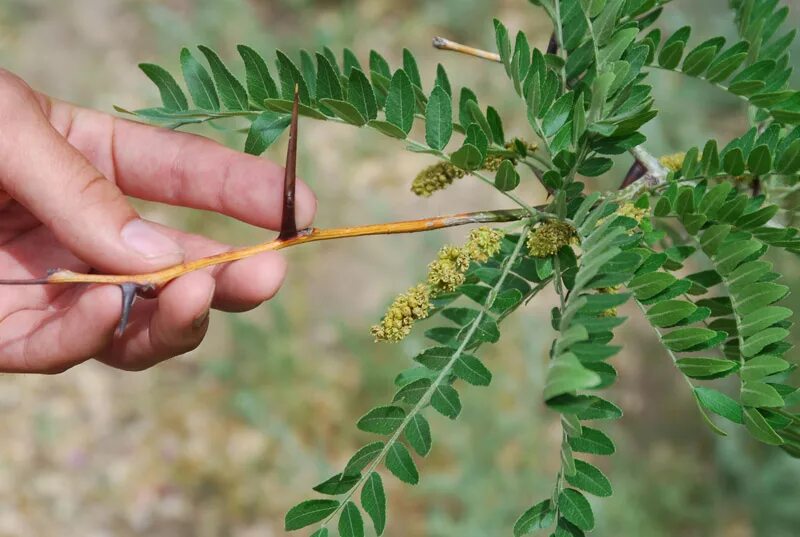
x,y
219,443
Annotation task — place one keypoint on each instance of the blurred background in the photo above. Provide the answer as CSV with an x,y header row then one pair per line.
x,y
222,441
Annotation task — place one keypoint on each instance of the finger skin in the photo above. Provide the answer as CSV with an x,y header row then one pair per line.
x,y
53,340
173,325
179,168
44,173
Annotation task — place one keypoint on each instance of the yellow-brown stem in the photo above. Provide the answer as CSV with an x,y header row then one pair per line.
x,y
445,44
159,278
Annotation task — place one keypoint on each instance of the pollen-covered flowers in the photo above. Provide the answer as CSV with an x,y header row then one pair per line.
x,y
673,162
445,274
447,271
435,178
548,238
483,243
407,308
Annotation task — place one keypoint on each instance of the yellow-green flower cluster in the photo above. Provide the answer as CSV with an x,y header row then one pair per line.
x,y
445,274
673,162
407,308
630,210
493,162
548,238
483,243
435,178
447,271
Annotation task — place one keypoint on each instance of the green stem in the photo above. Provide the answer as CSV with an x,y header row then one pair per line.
x,y
445,372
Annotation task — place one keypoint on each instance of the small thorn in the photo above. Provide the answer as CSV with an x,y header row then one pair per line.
x,y
636,172
288,223
129,292
552,46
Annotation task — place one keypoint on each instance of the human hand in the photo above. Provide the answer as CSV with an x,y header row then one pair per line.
x,y
65,173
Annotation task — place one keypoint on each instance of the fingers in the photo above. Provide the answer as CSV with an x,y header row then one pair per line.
x,y
181,169
51,341
87,213
171,326
241,285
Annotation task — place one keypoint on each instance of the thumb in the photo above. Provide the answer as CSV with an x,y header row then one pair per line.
x,y
86,211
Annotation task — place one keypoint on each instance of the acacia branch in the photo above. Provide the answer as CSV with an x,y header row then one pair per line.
x,y
157,279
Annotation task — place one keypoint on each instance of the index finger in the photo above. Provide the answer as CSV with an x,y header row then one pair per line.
x,y
179,168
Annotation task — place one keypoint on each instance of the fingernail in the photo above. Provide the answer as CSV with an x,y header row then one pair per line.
x,y
147,240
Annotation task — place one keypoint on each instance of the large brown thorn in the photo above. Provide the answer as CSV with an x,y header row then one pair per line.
x,y
288,223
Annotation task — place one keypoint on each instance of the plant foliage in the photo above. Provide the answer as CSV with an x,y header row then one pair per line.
x,y
585,99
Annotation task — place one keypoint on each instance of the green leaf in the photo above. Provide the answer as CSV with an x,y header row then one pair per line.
x,y
698,60
412,392
605,23
446,401
670,56
199,82
290,77
263,132
757,342
362,458
400,463
789,161
373,500
507,177
260,84
231,92
338,484
567,375
762,366
388,129
400,102
590,479
685,338
308,512
670,312
468,157
327,83
171,94
592,441
322,532
760,394
759,428
382,420
756,296
503,44
361,95
760,160
576,509
350,522
438,119
411,69
719,403
345,111
540,516
700,368
418,434
435,358
595,166
472,370
650,284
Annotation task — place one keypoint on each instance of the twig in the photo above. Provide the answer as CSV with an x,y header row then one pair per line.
x,y
445,44
155,280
